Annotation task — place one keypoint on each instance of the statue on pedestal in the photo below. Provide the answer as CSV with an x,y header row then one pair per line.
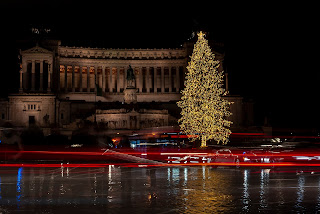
x,y
130,78
130,93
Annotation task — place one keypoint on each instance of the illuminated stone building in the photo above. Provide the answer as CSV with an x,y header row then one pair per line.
x,y
62,85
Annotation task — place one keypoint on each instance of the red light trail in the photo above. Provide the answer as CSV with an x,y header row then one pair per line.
x,y
158,157
97,165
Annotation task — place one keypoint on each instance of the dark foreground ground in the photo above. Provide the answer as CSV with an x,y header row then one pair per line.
x,y
198,189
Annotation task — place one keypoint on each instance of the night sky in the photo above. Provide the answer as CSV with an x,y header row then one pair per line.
x,y
269,48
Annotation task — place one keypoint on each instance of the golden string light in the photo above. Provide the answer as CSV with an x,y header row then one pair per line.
x,y
204,112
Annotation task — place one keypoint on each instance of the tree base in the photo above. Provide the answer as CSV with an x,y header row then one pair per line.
x,y
203,142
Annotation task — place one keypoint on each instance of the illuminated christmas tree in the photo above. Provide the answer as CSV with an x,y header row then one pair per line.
x,y
204,112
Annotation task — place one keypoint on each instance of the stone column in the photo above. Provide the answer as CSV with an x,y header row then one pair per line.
x,y
140,80
88,78
137,77
49,78
103,78
21,88
73,79
65,78
227,82
124,78
118,79
24,75
177,79
80,79
148,80
99,80
95,79
162,80
33,75
155,80
58,67
41,76
110,80
170,79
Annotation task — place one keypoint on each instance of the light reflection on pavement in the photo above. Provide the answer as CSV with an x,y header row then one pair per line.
x,y
198,189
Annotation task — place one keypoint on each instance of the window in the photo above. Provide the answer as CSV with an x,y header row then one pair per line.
x,y
33,107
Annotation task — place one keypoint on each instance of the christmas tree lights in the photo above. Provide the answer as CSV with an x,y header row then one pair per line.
x,y
204,113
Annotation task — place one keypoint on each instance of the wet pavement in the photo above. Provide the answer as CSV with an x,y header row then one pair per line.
x,y
115,189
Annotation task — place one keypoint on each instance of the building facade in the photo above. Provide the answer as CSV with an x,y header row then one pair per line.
x,y
61,85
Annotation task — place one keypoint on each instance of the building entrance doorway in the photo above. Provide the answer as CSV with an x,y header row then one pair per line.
x,y
31,120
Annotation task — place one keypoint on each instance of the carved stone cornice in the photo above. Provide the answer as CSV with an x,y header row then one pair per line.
x,y
96,53
122,62
31,98
37,53
36,50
